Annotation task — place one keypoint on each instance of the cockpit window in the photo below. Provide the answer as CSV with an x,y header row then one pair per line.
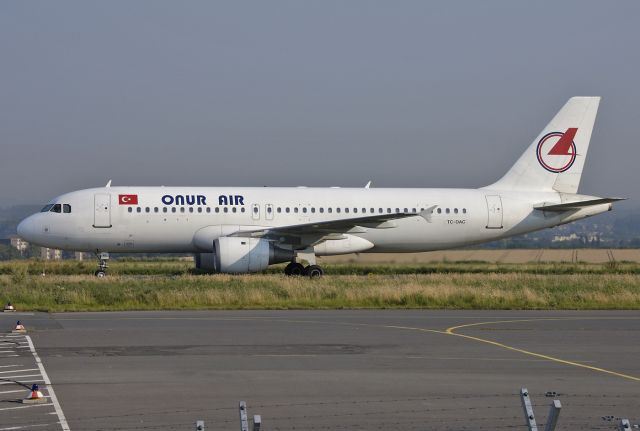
x,y
46,208
57,208
66,208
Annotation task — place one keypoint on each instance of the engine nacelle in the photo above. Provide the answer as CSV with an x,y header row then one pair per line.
x,y
240,255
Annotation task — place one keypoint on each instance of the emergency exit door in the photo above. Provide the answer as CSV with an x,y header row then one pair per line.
x,y
494,211
102,210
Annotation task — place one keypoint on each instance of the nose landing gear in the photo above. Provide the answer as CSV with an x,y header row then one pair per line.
x,y
102,264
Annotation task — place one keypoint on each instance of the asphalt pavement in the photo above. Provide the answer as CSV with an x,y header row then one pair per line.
x,y
313,370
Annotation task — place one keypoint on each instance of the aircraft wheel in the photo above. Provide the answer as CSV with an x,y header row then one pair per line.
x,y
100,273
294,268
313,271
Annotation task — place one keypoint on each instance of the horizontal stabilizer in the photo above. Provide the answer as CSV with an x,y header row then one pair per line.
x,y
569,206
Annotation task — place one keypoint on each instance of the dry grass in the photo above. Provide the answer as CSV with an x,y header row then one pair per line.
x,y
490,290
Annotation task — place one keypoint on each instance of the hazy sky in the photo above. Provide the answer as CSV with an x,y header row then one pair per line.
x,y
324,93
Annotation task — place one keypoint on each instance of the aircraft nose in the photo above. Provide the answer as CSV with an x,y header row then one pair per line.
x,y
26,229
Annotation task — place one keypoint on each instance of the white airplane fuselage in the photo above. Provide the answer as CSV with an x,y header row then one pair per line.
x,y
460,217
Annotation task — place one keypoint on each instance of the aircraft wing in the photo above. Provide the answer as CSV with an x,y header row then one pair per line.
x,y
307,234
569,206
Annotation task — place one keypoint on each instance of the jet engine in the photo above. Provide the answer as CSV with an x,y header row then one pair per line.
x,y
238,255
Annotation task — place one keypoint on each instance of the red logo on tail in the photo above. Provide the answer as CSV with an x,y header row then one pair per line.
x,y
556,151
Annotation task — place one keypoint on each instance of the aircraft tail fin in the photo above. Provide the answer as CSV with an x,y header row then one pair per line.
x,y
554,160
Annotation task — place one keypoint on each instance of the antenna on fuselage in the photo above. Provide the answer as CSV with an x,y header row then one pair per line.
x,y
368,186
108,184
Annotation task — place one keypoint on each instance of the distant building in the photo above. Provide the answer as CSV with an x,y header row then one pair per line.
x,y
561,238
19,244
50,254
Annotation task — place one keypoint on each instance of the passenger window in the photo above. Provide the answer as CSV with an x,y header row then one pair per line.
x,y
199,209
234,209
338,209
255,210
455,210
279,210
295,210
147,209
439,210
346,210
130,209
329,210
225,209
380,210
217,209
181,209
304,210
321,209
155,209
413,210
269,209
208,210
164,209
286,210
464,210
66,208
388,210
372,210
313,210
355,210
447,211
242,209
173,209
406,210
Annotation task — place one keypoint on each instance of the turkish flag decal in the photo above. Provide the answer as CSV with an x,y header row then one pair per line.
x,y
128,199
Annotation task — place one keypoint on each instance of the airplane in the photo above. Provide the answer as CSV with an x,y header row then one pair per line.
x,y
242,230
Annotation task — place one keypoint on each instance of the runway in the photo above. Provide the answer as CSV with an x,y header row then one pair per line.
x,y
308,370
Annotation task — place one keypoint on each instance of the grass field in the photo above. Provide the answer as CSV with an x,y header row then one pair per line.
x,y
172,284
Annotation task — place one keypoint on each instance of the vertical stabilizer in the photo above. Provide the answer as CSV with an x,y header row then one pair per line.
x,y
554,161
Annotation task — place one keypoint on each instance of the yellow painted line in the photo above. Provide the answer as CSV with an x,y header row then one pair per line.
x,y
451,330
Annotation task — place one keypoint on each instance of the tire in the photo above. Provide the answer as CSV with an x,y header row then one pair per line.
x,y
100,273
313,271
294,269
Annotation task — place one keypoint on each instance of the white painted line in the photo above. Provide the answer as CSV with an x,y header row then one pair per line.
x,y
17,390
54,399
26,407
20,377
19,371
12,365
25,427
9,356
30,381
7,351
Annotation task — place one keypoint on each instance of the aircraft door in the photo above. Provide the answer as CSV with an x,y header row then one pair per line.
x,y
268,208
102,210
494,210
255,211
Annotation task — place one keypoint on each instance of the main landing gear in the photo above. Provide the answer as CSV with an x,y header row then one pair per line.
x,y
297,269
102,265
